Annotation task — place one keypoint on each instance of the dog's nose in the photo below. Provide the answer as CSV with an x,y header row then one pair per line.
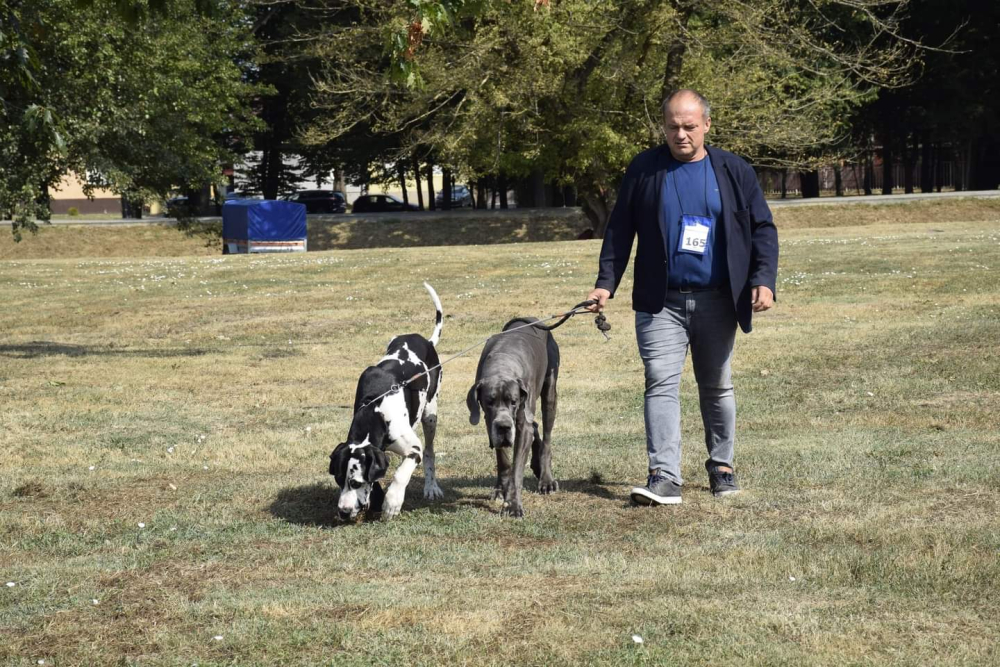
x,y
345,515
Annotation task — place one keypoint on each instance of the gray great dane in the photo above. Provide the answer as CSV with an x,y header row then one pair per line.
x,y
515,369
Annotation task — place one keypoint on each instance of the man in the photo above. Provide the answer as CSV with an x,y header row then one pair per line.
x,y
706,260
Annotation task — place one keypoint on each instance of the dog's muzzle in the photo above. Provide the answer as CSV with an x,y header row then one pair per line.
x,y
503,434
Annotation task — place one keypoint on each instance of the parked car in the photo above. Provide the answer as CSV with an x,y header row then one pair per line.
x,y
460,196
320,201
177,207
381,203
242,194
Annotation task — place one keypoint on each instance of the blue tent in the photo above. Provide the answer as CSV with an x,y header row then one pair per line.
x,y
263,225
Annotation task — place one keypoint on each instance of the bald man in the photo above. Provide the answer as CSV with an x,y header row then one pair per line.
x,y
706,260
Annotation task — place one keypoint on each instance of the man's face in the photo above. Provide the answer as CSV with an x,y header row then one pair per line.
x,y
686,128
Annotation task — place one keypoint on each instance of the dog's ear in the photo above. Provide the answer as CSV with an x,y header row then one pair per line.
x,y
524,392
378,463
376,498
472,402
338,463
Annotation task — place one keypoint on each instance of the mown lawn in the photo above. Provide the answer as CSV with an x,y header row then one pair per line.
x,y
165,425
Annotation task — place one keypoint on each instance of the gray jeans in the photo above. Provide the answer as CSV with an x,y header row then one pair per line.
x,y
707,322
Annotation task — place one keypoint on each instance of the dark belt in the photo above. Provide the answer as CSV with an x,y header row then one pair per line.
x,y
691,290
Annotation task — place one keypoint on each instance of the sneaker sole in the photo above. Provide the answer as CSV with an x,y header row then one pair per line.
x,y
728,492
642,496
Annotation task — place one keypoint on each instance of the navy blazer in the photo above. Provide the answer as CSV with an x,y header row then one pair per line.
x,y
749,234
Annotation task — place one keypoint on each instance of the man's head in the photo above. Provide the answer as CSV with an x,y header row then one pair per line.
x,y
501,400
686,120
357,469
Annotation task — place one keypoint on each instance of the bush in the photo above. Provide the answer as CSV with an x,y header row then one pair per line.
x,y
73,211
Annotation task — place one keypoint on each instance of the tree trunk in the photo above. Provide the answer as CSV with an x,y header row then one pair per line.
x,y
784,183
553,196
431,205
869,175
938,169
401,171
675,54
970,166
446,189
272,173
569,195
987,169
338,181
809,183
416,177
838,180
598,211
926,164
909,164
887,176
481,193
502,186
537,188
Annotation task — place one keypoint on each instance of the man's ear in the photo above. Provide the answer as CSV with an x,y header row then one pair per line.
x,y
472,402
378,463
338,463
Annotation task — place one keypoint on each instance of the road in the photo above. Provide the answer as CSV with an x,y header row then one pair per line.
x,y
776,203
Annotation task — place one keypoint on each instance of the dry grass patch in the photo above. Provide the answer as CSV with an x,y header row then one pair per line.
x,y
201,397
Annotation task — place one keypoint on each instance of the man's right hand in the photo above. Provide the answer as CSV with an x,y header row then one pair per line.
x,y
601,296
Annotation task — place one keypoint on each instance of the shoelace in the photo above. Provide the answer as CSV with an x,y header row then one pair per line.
x,y
654,479
724,477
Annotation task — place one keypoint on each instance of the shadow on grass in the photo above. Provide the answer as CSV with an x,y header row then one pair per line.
x,y
316,504
42,348
312,505
460,228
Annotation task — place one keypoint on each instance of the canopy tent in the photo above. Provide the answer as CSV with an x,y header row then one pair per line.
x,y
263,225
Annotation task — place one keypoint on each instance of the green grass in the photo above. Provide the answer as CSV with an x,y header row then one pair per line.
x,y
207,392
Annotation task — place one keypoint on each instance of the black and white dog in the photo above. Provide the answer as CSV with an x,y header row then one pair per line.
x,y
515,370
384,421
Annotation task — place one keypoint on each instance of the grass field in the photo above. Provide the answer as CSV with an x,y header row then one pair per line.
x,y
165,424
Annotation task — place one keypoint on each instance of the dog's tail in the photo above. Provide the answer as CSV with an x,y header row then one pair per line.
x,y
439,320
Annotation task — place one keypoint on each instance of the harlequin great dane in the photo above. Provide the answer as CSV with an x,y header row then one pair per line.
x,y
384,420
516,368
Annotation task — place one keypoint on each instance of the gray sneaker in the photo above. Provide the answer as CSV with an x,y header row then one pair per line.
x,y
658,491
722,481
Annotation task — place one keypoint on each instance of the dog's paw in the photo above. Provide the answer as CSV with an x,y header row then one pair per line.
x,y
498,493
432,491
392,504
512,510
547,486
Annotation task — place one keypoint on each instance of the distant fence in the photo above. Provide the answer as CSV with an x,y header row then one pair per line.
x,y
853,178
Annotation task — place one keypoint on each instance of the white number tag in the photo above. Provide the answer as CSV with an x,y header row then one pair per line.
x,y
694,234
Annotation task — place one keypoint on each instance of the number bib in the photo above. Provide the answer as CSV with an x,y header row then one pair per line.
x,y
694,234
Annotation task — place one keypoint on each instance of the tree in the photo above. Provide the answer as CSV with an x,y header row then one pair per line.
x,y
572,89
951,110
136,97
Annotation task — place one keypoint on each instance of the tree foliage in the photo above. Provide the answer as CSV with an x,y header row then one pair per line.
x,y
137,97
573,88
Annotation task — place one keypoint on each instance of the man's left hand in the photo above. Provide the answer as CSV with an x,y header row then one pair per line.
x,y
762,298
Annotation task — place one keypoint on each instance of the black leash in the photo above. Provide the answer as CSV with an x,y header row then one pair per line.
x,y
600,322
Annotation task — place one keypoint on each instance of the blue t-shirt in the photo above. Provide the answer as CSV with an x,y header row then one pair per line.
x,y
691,189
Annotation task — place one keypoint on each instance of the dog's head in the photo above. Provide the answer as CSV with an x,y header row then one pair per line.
x,y
501,400
357,469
